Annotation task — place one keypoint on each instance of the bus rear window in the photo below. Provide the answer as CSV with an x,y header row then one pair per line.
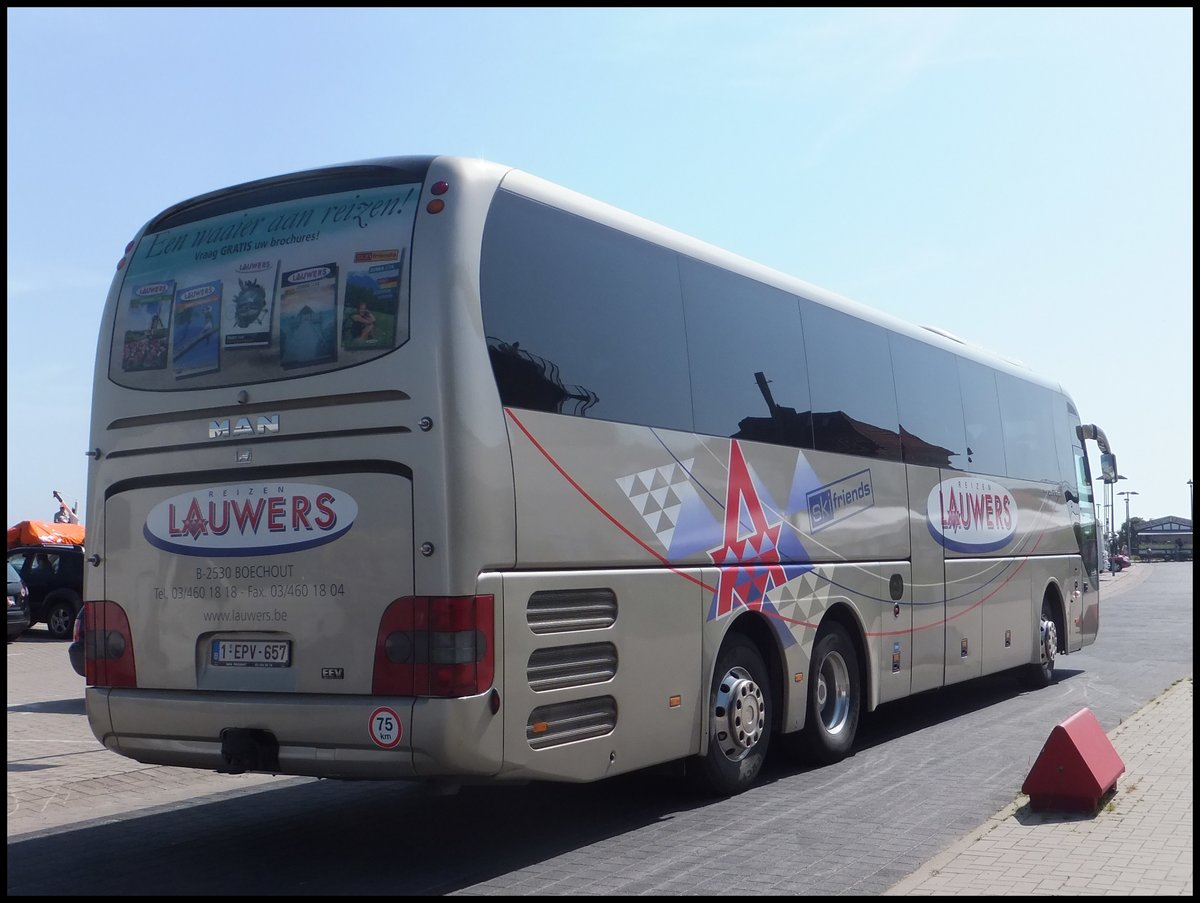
x,y
283,289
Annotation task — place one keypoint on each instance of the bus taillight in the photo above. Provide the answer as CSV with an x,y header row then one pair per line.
x,y
125,257
108,646
435,646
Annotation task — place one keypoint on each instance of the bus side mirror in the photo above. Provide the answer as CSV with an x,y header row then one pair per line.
x,y
1108,468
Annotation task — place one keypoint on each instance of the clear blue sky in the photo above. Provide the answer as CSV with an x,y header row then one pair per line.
x,y
1021,178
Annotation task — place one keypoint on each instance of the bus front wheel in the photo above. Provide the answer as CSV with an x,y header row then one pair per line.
x,y
739,719
1042,674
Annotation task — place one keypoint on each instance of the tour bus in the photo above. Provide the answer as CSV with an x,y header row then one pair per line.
x,y
427,468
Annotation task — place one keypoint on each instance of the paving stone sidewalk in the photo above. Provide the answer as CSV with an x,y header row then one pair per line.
x,y
1138,844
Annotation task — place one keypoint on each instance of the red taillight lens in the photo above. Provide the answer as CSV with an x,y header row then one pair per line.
x,y
435,646
107,646
124,257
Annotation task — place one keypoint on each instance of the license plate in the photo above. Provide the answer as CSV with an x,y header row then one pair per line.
x,y
252,653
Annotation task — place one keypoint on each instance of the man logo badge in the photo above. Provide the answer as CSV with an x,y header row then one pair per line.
x,y
243,426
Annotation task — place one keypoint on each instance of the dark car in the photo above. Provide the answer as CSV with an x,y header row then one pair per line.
x,y
75,650
18,605
53,573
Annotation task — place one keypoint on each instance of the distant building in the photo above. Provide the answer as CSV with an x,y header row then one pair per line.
x,y
1168,538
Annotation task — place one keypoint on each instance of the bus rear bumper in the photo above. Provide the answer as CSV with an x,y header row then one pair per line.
x,y
312,736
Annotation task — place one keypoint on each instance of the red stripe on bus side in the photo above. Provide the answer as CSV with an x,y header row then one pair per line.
x,y
620,526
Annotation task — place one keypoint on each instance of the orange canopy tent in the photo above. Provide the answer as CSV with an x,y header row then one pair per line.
x,y
40,532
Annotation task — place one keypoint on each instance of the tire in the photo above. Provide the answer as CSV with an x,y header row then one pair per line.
x,y
834,698
60,618
739,715
1042,674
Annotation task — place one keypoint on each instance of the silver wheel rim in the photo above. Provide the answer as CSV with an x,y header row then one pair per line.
x,y
1049,643
739,714
59,623
833,693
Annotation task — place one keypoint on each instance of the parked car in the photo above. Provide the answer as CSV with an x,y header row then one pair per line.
x,y
75,650
18,605
53,574
1120,561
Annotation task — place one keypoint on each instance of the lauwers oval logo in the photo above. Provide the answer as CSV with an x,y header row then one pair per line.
x,y
250,519
969,514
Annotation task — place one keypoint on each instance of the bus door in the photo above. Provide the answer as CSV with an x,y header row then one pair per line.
x,y
928,581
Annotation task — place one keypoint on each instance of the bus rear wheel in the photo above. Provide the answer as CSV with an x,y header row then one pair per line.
x,y
739,720
834,698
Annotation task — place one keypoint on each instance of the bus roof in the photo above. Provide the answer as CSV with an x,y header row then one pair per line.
x,y
416,167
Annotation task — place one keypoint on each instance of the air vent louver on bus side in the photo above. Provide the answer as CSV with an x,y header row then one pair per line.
x,y
566,722
560,611
571,666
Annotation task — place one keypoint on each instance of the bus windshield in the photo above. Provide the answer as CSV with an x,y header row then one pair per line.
x,y
252,294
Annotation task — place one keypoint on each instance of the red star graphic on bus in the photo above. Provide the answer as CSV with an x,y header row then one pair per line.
x,y
756,555
194,524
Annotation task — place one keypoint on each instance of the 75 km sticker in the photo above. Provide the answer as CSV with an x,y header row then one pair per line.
x,y
385,728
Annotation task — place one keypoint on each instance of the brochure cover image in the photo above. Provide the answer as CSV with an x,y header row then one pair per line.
x,y
372,304
196,333
146,320
308,315
248,310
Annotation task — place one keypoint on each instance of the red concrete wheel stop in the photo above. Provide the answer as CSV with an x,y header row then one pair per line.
x,y
1076,768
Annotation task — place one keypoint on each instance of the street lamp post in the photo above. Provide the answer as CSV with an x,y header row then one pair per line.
x,y
1110,514
1112,505
1128,521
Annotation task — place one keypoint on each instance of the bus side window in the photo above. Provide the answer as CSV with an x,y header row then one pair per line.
x,y
931,411
850,378
981,409
1027,414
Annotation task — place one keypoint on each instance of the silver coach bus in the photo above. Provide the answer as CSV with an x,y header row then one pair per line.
x,y
427,468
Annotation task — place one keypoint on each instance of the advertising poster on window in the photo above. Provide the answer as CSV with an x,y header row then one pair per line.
x,y
146,319
196,336
372,300
308,315
248,310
